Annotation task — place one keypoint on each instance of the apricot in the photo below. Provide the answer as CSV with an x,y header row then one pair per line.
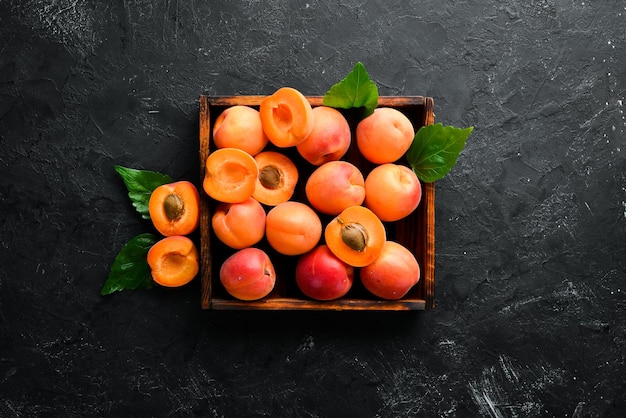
x,y
392,191
286,117
335,186
394,272
239,225
175,208
240,127
277,179
248,274
230,175
293,228
385,135
322,276
173,261
356,236
330,138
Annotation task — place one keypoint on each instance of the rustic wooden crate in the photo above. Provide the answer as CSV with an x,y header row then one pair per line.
x,y
416,232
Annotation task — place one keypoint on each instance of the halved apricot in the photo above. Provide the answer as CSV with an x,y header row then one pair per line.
x,y
173,261
286,117
277,178
230,175
175,208
356,236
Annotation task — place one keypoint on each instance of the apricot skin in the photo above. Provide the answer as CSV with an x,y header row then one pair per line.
x,y
239,225
240,127
392,191
322,276
394,272
335,186
385,135
330,138
293,228
248,274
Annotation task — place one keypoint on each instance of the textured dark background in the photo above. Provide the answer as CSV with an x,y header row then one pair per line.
x,y
531,223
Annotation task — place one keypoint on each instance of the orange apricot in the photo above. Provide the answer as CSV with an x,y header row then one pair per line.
x,y
394,272
286,117
277,178
293,228
385,135
335,186
356,236
239,225
173,261
175,208
392,191
239,127
230,175
330,138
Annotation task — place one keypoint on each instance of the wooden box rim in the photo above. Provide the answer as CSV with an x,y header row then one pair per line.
x,y
428,225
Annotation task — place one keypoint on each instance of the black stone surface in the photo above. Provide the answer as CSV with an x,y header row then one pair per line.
x,y
531,223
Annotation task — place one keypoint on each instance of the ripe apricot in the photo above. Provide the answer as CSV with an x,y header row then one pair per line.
x,y
356,236
394,272
286,117
385,135
175,208
239,225
335,186
392,191
292,228
330,138
277,178
248,274
173,261
230,175
239,127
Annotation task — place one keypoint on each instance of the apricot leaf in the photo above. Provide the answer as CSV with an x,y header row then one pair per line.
x,y
356,90
130,269
140,184
435,149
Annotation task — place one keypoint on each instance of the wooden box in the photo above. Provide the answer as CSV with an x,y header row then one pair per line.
x,y
416,232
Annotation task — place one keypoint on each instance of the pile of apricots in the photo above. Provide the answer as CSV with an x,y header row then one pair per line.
x,y
253,187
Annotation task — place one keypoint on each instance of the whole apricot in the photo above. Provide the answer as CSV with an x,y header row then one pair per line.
x,y
392,191
335,186
330,138
239,225
322,276
248,274
173,261
293,228
385,135
392,274
240,127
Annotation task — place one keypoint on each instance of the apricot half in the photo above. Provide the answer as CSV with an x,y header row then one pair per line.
x,y
356,236
277,179
286,117
230,175
173,261
175,208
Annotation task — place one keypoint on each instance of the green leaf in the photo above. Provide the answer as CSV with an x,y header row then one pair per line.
x,y
130,269
356,90
140,184
435,149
